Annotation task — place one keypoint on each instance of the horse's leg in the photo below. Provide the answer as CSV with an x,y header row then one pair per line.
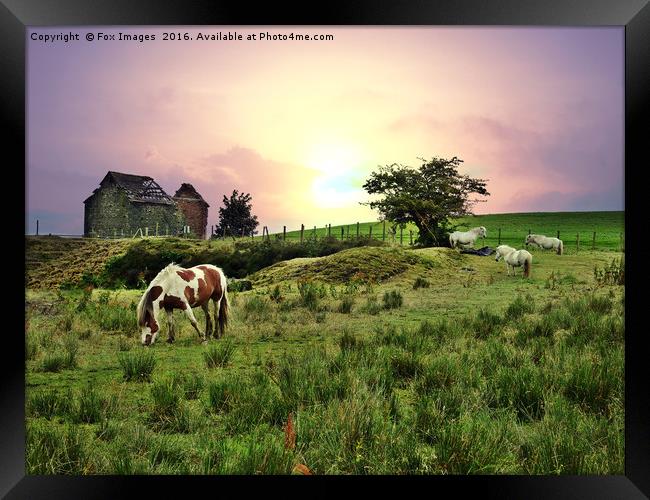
x,y
208,321
195,324
170,325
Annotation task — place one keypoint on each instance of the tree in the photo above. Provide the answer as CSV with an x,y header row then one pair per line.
x,y
235,216
429,196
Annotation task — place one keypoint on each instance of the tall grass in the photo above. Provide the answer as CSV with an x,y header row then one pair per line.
x,y
138,365
219,354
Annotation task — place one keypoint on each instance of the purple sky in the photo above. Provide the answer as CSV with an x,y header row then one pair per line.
x,y
299,125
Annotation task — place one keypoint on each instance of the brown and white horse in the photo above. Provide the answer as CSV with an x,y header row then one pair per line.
x,y
177,288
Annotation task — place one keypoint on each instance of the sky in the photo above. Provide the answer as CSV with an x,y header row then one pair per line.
x,y
301,124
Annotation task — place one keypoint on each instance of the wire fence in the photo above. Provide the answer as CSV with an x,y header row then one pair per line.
x,y
573,241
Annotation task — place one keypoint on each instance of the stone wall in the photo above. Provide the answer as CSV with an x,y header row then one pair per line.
x,y
110,212
196,215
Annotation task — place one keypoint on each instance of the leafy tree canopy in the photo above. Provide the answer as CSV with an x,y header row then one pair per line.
x,y
429,196
235,217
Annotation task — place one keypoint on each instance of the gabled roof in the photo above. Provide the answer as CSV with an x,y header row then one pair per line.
x,y
187,191
139,188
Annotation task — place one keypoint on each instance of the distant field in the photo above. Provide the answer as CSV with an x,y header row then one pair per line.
x,y
608,226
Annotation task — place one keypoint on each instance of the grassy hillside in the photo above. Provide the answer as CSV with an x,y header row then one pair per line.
x,y
446,366
514,228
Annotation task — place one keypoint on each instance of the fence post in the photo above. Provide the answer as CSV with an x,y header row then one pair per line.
x,y
146,232
370,232
558,235
252,235
357,229
577,242
411,235
529,231
499,240
36,227
302,231
114,233
342,233
383,231
329,230
156,229
348,231
401,235
314,232
122,231
593,242
284,233
167,230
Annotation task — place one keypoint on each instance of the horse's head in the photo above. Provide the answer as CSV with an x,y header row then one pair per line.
x,y
482,232
146,316
529,239
149,330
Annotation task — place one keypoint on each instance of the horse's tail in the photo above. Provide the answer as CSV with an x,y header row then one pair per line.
x,y
560,248
223,308
143,305
527,265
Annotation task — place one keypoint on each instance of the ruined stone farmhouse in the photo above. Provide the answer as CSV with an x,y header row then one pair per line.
x,y
125,203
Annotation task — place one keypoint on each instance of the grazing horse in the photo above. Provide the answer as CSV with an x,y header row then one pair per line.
x,y
515,258
466,238
178,288
545,242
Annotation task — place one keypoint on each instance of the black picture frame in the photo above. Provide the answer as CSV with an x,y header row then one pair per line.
x,y
634,15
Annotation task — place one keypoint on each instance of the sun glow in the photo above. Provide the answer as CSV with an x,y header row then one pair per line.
x,y
337,166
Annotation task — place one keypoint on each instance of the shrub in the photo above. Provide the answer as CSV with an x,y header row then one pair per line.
x,y
345,307
486,324
256,307
420,283
276,295
371,306
613,274
219,354
393,299
138,365
309,295
519,307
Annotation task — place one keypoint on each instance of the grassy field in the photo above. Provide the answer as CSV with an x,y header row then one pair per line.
x,y
608,227
367,361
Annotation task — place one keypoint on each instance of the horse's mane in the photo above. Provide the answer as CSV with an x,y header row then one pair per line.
x,y
145,302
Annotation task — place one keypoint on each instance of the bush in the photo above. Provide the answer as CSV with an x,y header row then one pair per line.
x,y
420,283
256,307
345,307
219,354
393,299
613,274
371,306
486,324
309,294
137,366
519,307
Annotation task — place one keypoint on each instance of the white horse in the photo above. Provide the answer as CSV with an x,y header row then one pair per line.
x,y
545,242
466,238
178,288
515,258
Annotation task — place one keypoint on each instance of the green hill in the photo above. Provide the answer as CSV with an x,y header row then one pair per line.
x,y
608,226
